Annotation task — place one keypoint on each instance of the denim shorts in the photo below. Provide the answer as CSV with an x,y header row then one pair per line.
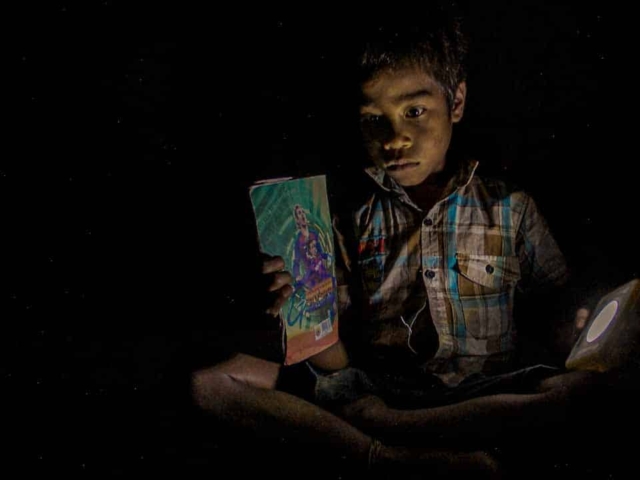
x,y
415,390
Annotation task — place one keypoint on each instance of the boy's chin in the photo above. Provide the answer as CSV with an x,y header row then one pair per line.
x,y
405,179
411,183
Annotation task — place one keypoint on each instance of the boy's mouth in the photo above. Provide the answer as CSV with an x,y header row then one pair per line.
x,y
399,166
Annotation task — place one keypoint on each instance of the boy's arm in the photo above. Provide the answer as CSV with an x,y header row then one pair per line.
x,y
546,324
546,303
336,357
333,358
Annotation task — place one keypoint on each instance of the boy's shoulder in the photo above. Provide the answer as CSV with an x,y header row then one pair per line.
x,y
351,190
473,179
493,187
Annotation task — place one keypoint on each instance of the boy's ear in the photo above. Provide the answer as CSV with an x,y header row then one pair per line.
x,y
458,102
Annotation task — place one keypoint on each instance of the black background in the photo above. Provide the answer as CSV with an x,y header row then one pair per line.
x,y
131,125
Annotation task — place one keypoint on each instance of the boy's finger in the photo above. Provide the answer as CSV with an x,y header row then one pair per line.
x,y
280,279
283,294
272,265
582,315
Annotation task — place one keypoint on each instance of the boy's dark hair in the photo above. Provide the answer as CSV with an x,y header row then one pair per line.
x,y
437,45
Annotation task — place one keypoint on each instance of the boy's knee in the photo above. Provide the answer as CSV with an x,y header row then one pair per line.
x,y
215,386
570,385
209,386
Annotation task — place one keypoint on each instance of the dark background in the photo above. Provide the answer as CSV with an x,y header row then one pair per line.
x,y
132,130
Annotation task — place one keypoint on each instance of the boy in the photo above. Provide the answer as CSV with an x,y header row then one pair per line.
x,y
436,254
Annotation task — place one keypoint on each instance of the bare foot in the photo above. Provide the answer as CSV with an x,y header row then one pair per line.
x,y
398,462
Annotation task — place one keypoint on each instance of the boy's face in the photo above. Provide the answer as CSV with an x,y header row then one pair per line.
x,y
301,217
406,123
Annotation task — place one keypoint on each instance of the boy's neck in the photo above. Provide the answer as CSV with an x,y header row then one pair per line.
x,y
426,194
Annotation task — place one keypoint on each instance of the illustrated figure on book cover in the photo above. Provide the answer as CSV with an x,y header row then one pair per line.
x,y
311,266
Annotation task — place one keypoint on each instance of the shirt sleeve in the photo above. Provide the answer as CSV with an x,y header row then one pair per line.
x,y
542,264
342,264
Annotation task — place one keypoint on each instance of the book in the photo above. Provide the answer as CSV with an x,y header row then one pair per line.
x,y
612,332
294,222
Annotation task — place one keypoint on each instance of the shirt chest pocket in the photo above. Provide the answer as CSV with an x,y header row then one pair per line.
x,y
485,274
486,285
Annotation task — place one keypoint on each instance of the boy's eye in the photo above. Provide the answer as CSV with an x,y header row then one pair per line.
x,y
371,119
415,112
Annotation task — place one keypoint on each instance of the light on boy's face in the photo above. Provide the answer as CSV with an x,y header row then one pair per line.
x,y
406,123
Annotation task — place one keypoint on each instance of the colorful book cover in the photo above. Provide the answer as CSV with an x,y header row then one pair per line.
x,y
294,222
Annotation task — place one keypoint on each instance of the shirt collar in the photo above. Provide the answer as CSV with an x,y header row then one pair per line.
x,y
464,174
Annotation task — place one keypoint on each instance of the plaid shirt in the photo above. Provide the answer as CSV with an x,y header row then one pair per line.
x,y
439,286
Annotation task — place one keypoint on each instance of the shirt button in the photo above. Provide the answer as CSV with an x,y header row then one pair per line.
x,y
489,269
430,274
428,222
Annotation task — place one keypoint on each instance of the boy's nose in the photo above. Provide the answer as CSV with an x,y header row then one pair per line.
x,y
397,137
397,141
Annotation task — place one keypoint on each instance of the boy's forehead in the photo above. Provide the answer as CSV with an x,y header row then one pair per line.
x,y
398,86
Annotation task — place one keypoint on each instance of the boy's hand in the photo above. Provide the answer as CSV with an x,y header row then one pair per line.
x,y
278,283
580,321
